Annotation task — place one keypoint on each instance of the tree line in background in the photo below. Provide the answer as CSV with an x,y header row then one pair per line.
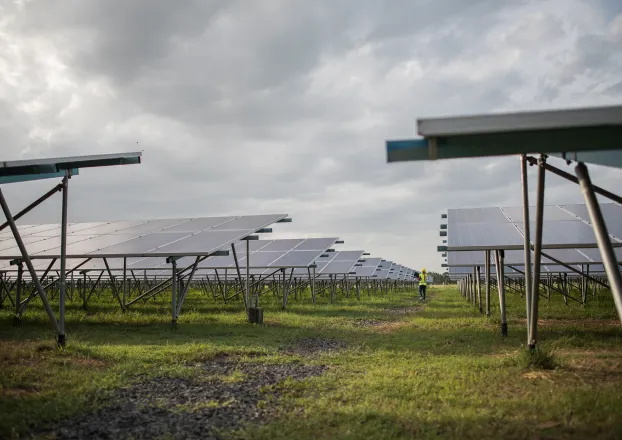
x,y
440,278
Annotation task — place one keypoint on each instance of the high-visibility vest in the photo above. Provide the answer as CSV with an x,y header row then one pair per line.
x,y
422,280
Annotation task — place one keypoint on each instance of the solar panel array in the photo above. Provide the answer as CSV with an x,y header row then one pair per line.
x,y
145,245
567,236
565,226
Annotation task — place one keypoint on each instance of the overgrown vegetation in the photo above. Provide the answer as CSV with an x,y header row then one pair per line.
x,y
399,369
539,358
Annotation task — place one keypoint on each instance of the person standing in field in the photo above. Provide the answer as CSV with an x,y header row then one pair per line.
x,y
422,284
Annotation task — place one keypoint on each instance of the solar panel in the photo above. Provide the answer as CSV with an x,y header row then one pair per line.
x,y
476,215
199,224
337,267
282,245
250,222
368,268
154,226
556,234
118,239
113,228
551,213
561,229
313,244
49,230
295,258
348,256
203,243
341,263
260,258
484,236
612,214
384,267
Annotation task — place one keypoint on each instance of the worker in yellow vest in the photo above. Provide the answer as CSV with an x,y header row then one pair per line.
x,y
422,284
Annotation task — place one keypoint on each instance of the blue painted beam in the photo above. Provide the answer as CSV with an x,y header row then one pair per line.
x,y
28,177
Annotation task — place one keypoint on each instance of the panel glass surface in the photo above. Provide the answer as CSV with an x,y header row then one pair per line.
x,y
77,227
568,256
114,227
138,245
563,233
476,215
466,258
252,222
201,243
594,254
612,213
259,259
41,231
282,245
312,244
199,224
255,245
365,271
9,244
348,256
40,245
141,263
371,262
215,261
83,244
551,213
6,232
153,226
338,267
484,235
296,259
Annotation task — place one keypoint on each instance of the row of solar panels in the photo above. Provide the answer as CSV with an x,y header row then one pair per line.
x,y
567,237
145,246
565,227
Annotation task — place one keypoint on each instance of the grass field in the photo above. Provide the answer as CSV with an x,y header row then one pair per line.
x,y
396,369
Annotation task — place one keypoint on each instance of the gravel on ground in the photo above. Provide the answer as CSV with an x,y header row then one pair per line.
x,y
180,408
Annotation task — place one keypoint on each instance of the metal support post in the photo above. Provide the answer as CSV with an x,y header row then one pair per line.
x,y
473,288
602,236
499,256
186,287
487,270
174,290
532,329
247,285
526,237
63,262
479,288
18,291
124,281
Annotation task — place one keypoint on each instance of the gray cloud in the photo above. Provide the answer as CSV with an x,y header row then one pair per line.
x,y
284,106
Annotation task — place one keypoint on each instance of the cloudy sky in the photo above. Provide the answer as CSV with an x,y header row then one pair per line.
x,y
274,106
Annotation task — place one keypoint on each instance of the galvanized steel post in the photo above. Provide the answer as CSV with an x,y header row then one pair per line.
x,y
602,236
526,237
535,284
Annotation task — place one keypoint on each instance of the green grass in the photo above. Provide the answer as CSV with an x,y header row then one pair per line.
x,y
443,370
